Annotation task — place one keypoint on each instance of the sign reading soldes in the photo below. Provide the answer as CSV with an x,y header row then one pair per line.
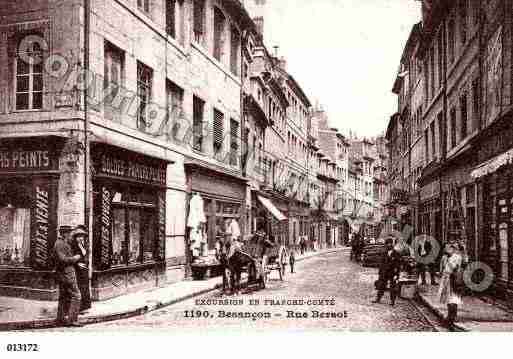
x,y
132,169
13,160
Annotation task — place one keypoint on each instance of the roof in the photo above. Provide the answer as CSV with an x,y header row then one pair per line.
x,y
415,35
391,125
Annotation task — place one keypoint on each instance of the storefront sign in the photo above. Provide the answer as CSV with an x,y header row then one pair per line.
x,y
105,228
161,234
399,196
14,160
132,169
40,243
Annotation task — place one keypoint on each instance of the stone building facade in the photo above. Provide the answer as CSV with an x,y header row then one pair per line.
x,y
150,97
464,49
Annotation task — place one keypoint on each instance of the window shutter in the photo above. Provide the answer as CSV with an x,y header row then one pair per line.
x,y
198,16
234,133
218,129
170,18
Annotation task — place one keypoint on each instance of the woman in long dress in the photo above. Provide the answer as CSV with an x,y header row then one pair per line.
x,y
451,262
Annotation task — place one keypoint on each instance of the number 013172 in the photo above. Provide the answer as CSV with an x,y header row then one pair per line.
x,y
22,347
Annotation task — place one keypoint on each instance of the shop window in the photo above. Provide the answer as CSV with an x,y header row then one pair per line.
x,y
134,221
28,83
144,88
118,236
15,216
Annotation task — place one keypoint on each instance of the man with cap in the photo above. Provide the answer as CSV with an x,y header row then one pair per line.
x,y
69,293
79,237
389,271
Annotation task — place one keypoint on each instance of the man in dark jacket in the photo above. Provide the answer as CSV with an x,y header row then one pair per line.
x,y
79,236
389,270
424,250
69,293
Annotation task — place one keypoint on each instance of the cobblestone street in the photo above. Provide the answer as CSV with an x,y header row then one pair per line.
x,y
330,276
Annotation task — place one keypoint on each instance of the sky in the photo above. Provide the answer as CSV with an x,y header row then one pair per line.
x,y
345,54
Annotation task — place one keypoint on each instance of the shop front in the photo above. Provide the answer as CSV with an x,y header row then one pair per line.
x,y
129,215
494,178
222,196
29,186
267,212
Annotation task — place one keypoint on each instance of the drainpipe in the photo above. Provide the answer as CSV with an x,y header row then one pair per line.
x,y
87,157
443,131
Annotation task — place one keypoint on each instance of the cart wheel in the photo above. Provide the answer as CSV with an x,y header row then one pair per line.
x,y
281,271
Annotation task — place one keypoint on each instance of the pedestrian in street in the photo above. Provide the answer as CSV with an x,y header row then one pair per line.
x,y
450,289
79,236
292,259
388,275
354,246
424,249
222,249
69,293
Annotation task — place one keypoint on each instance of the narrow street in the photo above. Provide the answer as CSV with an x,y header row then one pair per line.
x,y
326,277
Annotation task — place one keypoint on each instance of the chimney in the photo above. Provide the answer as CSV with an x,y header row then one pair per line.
x,y
259,22
283,63
256,9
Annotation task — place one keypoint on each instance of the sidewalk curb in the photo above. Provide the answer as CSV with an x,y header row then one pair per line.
x,y
439,313
52,323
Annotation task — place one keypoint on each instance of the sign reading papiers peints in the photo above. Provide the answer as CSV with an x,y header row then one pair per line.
x,y
24,160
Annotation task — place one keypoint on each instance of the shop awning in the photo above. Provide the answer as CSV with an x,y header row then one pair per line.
x,y
272,208
493,164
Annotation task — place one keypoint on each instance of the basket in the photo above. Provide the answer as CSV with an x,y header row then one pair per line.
x,y
408,289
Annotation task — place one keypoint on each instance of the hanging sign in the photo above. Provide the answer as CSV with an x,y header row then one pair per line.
x,y
41,225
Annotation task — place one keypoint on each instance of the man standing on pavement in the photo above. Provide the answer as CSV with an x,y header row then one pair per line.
x,y
388,276
79,236
69,293
424,249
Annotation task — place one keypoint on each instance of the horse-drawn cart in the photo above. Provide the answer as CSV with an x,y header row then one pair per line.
x,y
258,260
